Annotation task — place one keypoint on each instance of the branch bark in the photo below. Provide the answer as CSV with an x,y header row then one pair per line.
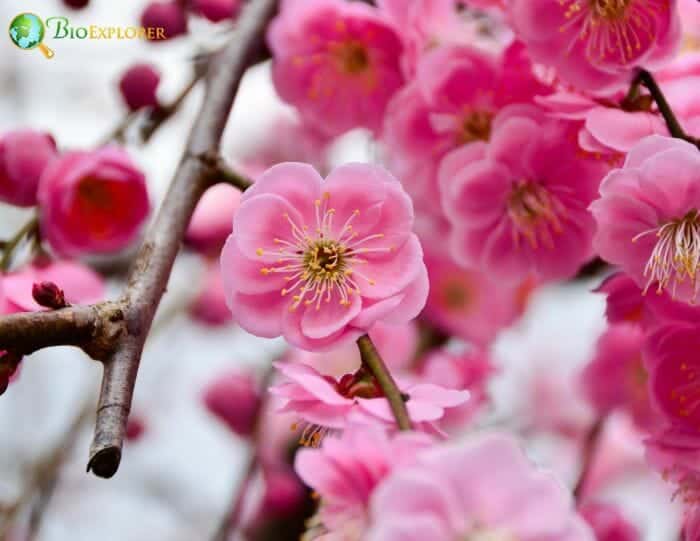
x,y
151,270
115,332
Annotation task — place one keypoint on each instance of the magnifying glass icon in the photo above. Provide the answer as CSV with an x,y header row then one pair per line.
x,y
27,32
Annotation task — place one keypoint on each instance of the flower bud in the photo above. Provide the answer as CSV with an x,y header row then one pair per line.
x,y
235,399
284,492
76,4
138,86
92,202
166,15
209,306
217,10
211,222
24,155
135,428
49,295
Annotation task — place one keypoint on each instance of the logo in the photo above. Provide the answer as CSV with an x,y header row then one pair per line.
x,y
27,31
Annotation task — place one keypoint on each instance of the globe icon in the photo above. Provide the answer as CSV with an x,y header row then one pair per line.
x,y
27,32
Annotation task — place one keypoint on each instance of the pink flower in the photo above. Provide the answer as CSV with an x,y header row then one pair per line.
x,y
284,492
451,103
168,15
345,471
691,524
673,360
518,205
325,403
235,399
616,377
24,155
482,489
209,306
211,222
217,10
465,372
92,202
647,216
610,126
675,453
608,523
595,45
467,302
320,262
80,285
624,301
336,62
396,344
138,86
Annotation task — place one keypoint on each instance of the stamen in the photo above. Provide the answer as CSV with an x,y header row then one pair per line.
x,y
676,254
535,214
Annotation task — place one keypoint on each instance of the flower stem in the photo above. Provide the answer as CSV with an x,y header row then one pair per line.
x,y
590,448
374,363
674,127
11,245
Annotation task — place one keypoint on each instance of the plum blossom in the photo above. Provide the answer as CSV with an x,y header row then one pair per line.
x,y
92,202
451,103
672,357
518,205
234,398
24,154
624,300
324,403
209,306
320,262
217,10
345,471
616,376
596,44
647,216
211,222
138,86
337,62
168,15
675,453
470,371
480,489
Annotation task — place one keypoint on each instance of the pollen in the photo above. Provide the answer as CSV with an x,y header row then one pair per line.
x,y
535,214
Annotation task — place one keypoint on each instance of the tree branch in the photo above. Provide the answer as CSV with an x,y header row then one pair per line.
x,y
151,270
115,332
674,127
375,364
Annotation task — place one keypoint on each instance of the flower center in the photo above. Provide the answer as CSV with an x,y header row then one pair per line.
x,y
352,56
613,29
476,126
361,384
535,214
676,254
610,10
455,295
322,265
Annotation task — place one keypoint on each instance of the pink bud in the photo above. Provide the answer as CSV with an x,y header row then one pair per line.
x,y
135,428
217,10
212,220
49,295
92,202
235,399
24,155
607,522
284,492
76,4
209,306
138,86
166,15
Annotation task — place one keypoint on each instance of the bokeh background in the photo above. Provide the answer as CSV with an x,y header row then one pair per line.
x,y
176,481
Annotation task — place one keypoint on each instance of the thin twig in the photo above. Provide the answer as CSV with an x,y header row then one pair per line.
x,y
590,448
674,126
221,172
29,228
375,364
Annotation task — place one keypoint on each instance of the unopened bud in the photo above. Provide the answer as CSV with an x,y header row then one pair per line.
x,y
49,295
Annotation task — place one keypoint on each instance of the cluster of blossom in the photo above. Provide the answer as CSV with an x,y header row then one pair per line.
x,y
516,142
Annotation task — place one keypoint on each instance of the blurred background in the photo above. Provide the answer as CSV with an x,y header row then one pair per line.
x,y
177,476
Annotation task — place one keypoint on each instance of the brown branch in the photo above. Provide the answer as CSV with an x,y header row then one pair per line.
x,y
115,332
590,448
375,364
149,275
